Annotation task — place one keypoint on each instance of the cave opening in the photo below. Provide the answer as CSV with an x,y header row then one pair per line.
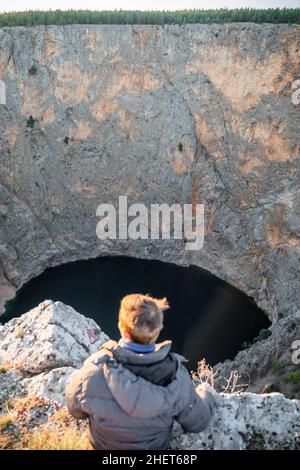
x,y
208,318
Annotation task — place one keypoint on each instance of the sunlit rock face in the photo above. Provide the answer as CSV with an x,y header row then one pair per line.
x,y
51,335
174,114
247,421
42,366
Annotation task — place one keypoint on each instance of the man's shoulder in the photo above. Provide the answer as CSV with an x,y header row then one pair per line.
x,y
167,345
108,345
102,356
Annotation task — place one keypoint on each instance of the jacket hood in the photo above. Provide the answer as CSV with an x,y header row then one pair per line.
x,y
135,395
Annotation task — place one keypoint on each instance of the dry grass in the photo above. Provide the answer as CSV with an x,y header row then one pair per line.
x,y
206,373
50,439
8,441
25,404
62,417
34,423
8,431
5,421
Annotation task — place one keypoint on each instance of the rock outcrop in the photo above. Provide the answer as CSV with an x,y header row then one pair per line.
x,y
253,363
175,114
51,335
247,421
50,384
240,421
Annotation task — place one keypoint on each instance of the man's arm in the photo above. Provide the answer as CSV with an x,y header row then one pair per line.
x,y
197,406
77,389
74,396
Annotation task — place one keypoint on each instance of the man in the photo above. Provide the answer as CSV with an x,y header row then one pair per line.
x,y
133,390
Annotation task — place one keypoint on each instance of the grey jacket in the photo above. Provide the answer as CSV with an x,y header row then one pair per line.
x,y
132,399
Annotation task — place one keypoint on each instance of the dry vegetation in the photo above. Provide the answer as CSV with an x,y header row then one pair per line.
x,y
206,373
34,423
68,439
279,378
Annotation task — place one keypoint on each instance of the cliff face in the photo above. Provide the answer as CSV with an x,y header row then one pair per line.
x,y
45,346
176,114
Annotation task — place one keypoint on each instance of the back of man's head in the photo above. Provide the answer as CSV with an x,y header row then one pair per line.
x,y
142,317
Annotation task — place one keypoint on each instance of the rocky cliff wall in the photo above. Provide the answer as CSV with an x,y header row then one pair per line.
x,y
176,114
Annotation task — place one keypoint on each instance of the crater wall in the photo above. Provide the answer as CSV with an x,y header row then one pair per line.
x,y
162,114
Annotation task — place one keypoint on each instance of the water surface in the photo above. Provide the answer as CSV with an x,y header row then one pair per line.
x,y
208,317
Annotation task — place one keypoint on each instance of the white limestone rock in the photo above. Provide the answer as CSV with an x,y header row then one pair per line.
x,y
50,384
247,421
49,336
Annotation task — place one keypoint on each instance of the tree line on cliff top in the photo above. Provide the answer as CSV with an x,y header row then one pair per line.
x,y
224,15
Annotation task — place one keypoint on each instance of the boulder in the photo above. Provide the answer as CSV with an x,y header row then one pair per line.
x,y
49,336
247,421
49,384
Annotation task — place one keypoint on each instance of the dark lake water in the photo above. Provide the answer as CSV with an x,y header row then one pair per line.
x,y
207,319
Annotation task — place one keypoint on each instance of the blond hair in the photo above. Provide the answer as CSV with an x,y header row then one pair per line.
x,y
142,316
